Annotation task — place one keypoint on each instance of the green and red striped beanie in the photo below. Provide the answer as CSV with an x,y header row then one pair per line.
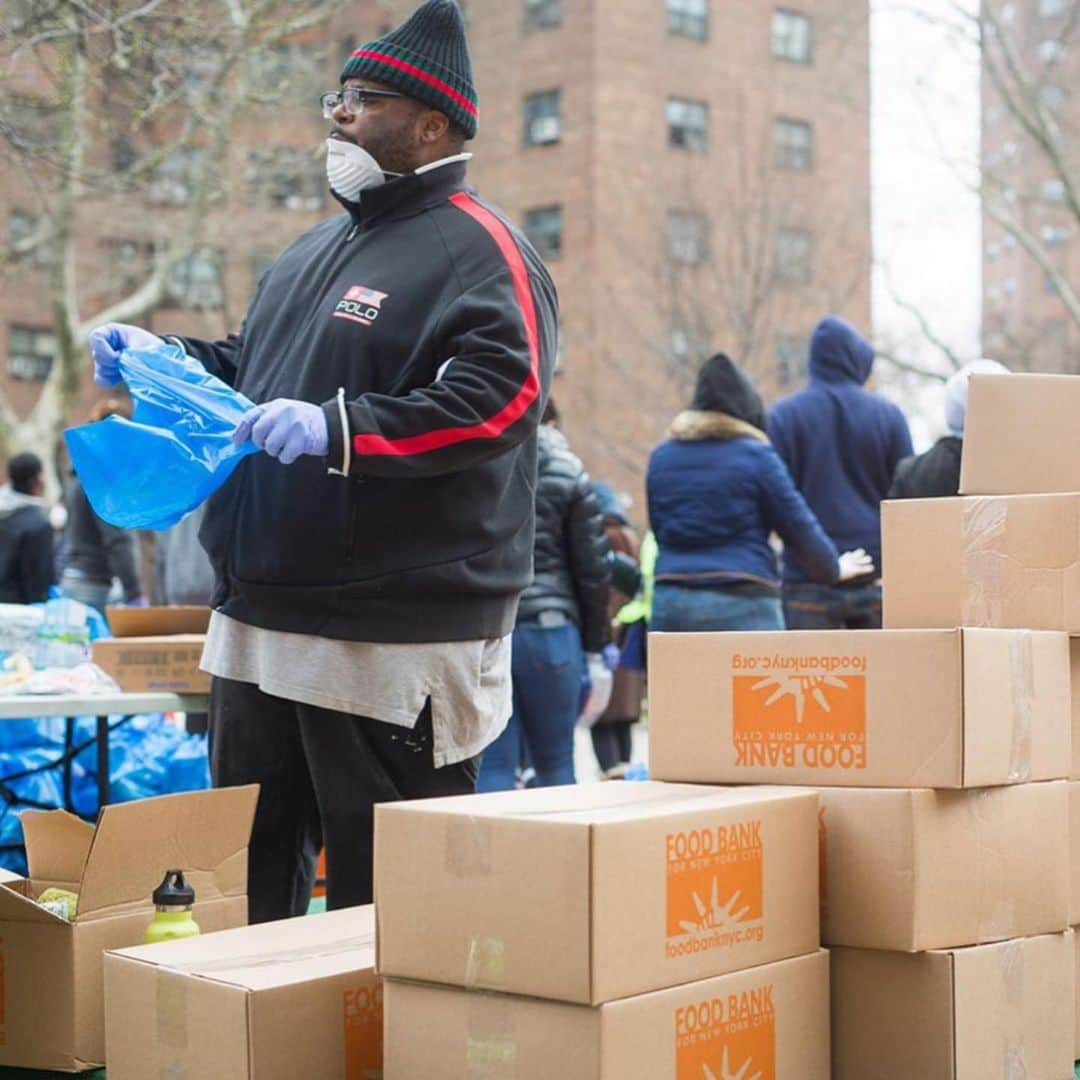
x,y
427,58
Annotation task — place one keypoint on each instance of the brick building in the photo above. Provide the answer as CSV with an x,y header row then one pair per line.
x,y
695,172
1025,322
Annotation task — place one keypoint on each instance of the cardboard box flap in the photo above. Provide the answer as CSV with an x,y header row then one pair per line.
x,y
156,621
204,833
57,844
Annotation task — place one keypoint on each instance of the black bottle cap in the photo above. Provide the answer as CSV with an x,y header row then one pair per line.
x,y
174,891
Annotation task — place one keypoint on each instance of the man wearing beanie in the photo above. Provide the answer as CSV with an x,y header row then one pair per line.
x,y
369,563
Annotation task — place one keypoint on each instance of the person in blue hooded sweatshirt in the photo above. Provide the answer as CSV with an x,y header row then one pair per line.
x,y
841,443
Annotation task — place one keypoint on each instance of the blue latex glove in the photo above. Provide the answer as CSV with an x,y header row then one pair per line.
x,y
285,429
610,653
105,345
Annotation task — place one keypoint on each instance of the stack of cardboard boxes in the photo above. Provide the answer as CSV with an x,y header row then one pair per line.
x,y
940,756
601,932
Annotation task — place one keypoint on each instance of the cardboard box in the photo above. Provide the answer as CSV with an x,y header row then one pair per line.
x,y
1074,655
768,1022
869,708
282,1000
1005,452
53,1014
1076,969
921,869
158,620
594,892
1074,852
154,663
1002,1010
1000,561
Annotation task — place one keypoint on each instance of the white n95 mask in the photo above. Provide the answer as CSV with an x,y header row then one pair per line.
x,y
351,169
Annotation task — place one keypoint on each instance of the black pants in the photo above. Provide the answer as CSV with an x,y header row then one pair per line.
x,y
613,742
322,772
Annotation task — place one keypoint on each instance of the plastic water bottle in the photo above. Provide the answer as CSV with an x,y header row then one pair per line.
x,y
173,900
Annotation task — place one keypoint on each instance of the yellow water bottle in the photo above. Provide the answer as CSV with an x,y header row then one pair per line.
x,y
173,901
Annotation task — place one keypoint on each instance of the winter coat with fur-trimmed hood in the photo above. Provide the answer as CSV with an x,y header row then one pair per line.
x,y
716,490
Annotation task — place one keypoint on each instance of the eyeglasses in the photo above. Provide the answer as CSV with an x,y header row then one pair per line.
x,y
354,98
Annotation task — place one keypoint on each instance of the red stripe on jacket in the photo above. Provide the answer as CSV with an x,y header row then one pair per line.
x,y
495,425
417,73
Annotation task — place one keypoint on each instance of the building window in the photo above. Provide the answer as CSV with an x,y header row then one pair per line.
x,y
1054,235
791,36
1053,98
689,349
791,356
1051,52
688,17
795,256
688,237
286,179
293,71
30,353
688,124
1051,9
542,14
793,141
196,282
27,239
543,118
128,261
176,176
544,228
1052,191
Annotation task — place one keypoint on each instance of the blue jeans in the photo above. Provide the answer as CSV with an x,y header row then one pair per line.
x,y
684,607
832,607
547,665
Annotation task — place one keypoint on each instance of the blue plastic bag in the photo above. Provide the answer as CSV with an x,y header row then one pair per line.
x,y
174,453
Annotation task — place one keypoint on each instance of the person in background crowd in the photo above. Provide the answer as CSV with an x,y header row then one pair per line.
x,y
26,537
936,474
612,734
97,552
369,563
562,618
841,444
716,491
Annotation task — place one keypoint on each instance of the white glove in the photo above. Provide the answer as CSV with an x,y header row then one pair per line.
x,y
855,564
600,683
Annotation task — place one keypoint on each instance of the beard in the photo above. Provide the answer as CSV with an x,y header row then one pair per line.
x,y
393,147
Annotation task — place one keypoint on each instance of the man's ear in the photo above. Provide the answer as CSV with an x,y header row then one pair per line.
x,y
433,126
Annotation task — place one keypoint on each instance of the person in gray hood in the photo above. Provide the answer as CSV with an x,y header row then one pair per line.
x,y
26,537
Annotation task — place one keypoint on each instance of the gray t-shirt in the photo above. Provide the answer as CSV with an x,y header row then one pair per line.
x,y
468,681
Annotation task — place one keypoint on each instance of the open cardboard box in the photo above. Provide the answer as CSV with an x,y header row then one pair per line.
x,y
297,998
1003,1010
860,708
51,980
155,649
768,1022
592,892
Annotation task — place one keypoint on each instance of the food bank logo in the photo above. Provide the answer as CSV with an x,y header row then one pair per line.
x,y
363,1008
360,304
715,888
787,719
728,1038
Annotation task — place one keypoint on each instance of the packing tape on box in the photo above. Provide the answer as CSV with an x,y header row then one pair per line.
x,y
1012,979
485,964
996,922
491,1039
467,851
983,566
1022,664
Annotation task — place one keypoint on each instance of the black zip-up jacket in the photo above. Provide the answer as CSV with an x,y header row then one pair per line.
x,y
26,548
571,572
426,326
